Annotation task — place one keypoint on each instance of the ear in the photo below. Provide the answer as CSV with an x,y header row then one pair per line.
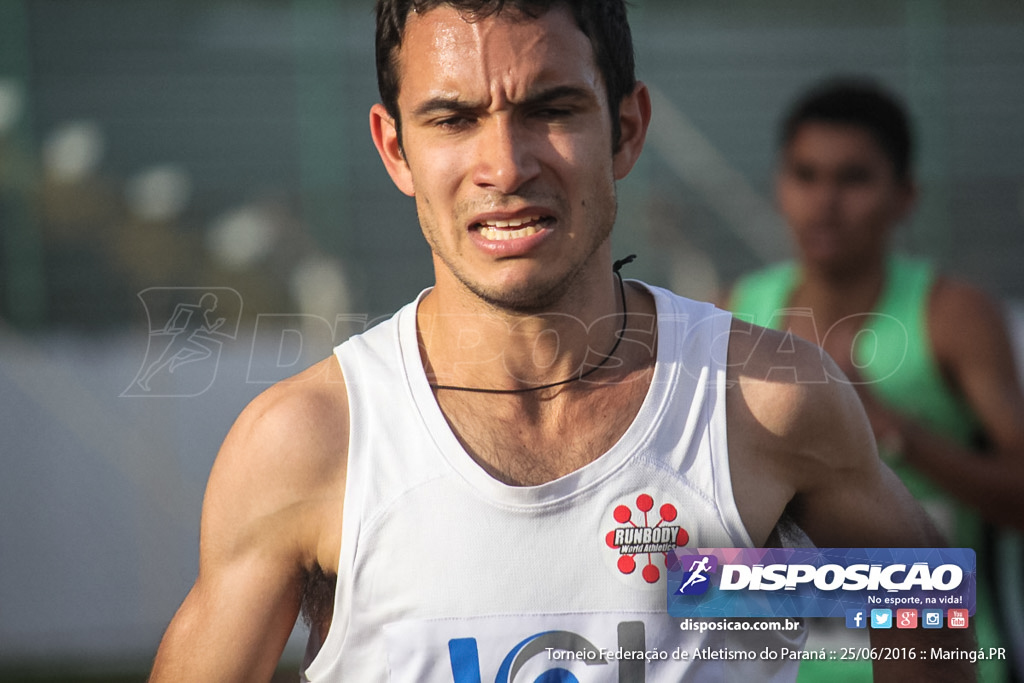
x,y
385,139
634,118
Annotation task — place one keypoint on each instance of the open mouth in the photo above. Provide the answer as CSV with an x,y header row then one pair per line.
x,y
514,228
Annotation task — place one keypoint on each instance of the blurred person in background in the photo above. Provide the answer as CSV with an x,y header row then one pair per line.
x,y
930,356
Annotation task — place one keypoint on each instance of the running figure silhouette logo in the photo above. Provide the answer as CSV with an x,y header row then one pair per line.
x,y
185,343
696,580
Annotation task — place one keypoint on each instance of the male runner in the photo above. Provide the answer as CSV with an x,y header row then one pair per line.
x,y
930,355
444,490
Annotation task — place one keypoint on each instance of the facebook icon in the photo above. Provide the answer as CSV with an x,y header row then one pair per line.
x,y
855,618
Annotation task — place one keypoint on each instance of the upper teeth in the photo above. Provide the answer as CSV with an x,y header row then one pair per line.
x,y
494,234
500,230
512,223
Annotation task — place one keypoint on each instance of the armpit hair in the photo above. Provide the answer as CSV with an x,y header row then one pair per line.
x,y
318,599
788,534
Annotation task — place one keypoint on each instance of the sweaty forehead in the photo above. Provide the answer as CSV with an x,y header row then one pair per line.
x,y
502,56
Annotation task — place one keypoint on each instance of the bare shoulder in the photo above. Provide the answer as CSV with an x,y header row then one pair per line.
x,y
281,470
973,346
783,384
960,317
296,424
800,443
952,296
271,516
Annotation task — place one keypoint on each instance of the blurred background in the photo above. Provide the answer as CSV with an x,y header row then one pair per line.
x,y
191,208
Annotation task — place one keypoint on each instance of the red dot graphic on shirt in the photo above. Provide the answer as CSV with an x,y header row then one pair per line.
x,y
637,554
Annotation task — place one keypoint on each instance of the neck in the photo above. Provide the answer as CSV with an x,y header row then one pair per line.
x,y
482,348
835,295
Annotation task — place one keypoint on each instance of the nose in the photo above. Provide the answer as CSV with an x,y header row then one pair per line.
x,y
505,155
826,196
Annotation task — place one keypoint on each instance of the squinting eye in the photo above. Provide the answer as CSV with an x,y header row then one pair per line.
x,y
553,113
453,122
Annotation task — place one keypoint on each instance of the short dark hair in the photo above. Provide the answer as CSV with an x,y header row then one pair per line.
x,y
860,102
602,21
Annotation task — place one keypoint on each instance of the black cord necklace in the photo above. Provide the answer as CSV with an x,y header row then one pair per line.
x,y
616,267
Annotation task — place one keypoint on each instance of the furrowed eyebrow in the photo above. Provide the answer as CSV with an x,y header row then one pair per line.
x,y
437,105
560,92
443,104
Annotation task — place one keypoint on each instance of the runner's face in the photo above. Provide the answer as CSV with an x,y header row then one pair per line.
x,y
840,195
507,149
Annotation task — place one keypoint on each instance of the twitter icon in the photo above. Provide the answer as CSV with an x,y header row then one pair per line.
x,y
881,618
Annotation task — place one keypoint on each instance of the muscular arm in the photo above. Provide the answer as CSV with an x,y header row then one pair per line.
x,y
804,446
271,514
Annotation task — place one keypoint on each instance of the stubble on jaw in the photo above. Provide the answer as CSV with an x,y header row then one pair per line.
x,y
533,297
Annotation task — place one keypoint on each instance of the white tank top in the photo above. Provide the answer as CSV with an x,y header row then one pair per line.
x,y
447,575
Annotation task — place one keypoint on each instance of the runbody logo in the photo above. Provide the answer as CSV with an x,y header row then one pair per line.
x,y
640,535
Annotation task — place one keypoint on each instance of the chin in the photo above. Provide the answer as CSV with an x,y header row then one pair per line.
x,y
528,302
822,256
525,297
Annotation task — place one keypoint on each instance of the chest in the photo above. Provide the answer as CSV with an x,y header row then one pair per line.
x,y
533,439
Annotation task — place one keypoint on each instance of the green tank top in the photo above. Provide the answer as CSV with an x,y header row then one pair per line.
x,y
892,351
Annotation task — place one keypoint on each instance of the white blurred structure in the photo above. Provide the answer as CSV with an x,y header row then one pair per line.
x,y
12,103
159,193
73,151
100,497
